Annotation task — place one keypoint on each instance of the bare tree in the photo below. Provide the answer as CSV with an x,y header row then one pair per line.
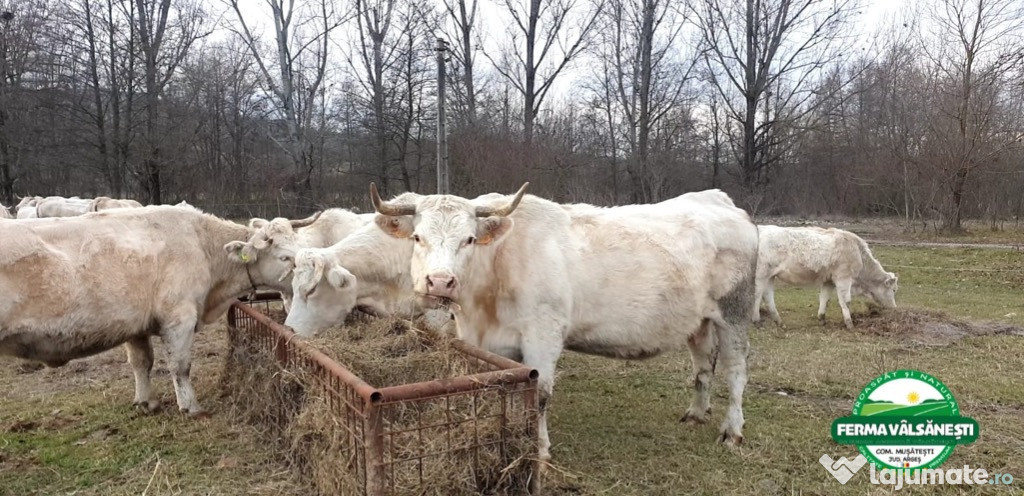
x,y
546,35
756,49
462,15
301,55
23,29
974,47
163,51
651,72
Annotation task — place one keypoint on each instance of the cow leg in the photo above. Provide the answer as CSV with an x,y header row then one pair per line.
x,y
759,288
140,356
844,296
733,347
702,345
823,295
178,341
771,302
542,354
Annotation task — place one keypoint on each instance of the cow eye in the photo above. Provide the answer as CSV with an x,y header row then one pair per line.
x,y
471,240
416,238
286,258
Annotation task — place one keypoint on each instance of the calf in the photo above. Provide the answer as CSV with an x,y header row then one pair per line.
x,y
829,259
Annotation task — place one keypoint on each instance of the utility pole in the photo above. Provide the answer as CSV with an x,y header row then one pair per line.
x,y
443,187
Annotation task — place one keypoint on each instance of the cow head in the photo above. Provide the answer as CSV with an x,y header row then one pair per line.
x,y
323,293
270,249
445,231
884,292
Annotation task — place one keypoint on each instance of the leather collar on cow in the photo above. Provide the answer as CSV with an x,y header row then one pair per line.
x,y
252,284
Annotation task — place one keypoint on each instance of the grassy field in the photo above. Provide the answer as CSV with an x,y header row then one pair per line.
x,y
614,424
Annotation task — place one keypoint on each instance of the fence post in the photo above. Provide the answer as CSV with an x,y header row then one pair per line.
x,y
443,187
376,475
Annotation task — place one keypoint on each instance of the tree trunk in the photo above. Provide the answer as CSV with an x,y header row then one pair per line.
x,y
530,73
748,164
467,63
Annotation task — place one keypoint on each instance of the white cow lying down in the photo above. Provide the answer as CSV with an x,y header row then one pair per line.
x,y
831,259
74,287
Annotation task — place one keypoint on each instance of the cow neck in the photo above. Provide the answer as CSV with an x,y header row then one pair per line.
x,y
376,258
229,280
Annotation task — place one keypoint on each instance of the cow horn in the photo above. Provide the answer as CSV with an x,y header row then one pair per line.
x,y
387,208
318,274
504,210
305,222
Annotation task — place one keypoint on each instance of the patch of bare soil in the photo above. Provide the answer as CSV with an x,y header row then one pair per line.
x,y
927,327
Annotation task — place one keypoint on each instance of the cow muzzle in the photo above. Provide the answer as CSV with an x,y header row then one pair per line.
x,y
443,285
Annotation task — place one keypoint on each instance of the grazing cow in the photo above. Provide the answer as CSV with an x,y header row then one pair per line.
x,y
4,213
831,259
275,242
57,206
101,203
368,269
625,282
76,287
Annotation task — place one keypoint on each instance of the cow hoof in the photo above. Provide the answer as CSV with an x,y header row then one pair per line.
x,y
200,415
821,320
693,418
731,439
849,324
147,407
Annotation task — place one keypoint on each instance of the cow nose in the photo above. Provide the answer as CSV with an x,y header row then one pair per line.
x,y
442,285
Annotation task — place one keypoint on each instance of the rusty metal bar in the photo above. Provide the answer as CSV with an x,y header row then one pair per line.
x,y
485,356
376,469
461,384
367,392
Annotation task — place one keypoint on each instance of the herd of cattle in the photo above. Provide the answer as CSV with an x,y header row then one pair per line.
x,y
519,275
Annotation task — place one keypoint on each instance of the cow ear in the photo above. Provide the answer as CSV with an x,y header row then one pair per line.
x,y
891,280
491,229
254,223
240,252
399,227
261,241
340,278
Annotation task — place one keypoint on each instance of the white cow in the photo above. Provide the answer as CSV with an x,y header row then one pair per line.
x,y
276,241
57,206
101,203
75,287
831,259
27,213
625,282
4,213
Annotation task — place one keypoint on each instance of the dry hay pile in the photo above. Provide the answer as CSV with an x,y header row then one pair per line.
x,y
927,327
289,406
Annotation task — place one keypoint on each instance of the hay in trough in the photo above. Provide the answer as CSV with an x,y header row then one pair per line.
x,y
457,444
927,327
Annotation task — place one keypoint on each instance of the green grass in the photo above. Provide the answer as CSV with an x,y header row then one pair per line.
x,y
73,431
614,424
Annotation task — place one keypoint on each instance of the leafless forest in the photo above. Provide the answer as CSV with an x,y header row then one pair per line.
x,y
281,106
